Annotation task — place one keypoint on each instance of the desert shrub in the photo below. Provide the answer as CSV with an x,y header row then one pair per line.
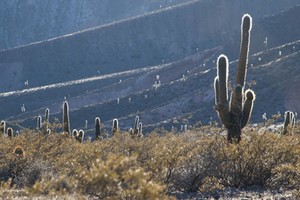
x,y
285,176
197,160
251,162
118,177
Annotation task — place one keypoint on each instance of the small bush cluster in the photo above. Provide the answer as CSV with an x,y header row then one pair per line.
x,y
151,167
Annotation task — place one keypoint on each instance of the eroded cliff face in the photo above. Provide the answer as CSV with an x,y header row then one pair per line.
x,y
26,21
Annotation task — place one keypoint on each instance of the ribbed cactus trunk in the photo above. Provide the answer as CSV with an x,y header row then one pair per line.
x,y
97,128
236,113
66,118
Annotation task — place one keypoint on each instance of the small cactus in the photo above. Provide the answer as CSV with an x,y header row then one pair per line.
x,y
80,136
236,113
75,133
136,125
140,133
39,122
66,118
130,131
46,122
47,113
115,125
2,127
10,132
289,119
97,128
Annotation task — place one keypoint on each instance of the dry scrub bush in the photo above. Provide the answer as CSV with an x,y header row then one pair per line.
x,y
118,177
119,166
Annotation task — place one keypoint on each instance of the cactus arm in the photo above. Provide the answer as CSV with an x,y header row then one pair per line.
x,y
248,107
223,79
216,88
244,50
221,91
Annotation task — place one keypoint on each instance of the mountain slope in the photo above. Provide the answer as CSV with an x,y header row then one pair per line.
x,y
166,35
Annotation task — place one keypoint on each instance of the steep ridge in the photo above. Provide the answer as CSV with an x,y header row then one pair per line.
x,y
25,22
166,35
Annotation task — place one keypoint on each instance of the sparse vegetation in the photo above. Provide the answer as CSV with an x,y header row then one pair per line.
x,y
152,167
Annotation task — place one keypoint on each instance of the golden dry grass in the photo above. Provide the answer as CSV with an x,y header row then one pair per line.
x,y
151,167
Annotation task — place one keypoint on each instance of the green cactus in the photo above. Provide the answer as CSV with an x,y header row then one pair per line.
x,y
2,127
236,113
97,128
115,125
66,118
289,119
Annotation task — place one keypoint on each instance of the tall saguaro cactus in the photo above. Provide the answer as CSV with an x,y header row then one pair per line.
x,y
236,113
66,118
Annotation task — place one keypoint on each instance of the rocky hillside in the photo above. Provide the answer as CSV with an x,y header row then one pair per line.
x,y
162,36
24,22
185,94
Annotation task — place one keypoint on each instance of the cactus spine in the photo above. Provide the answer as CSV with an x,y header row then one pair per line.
x,y
236,113
66,118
